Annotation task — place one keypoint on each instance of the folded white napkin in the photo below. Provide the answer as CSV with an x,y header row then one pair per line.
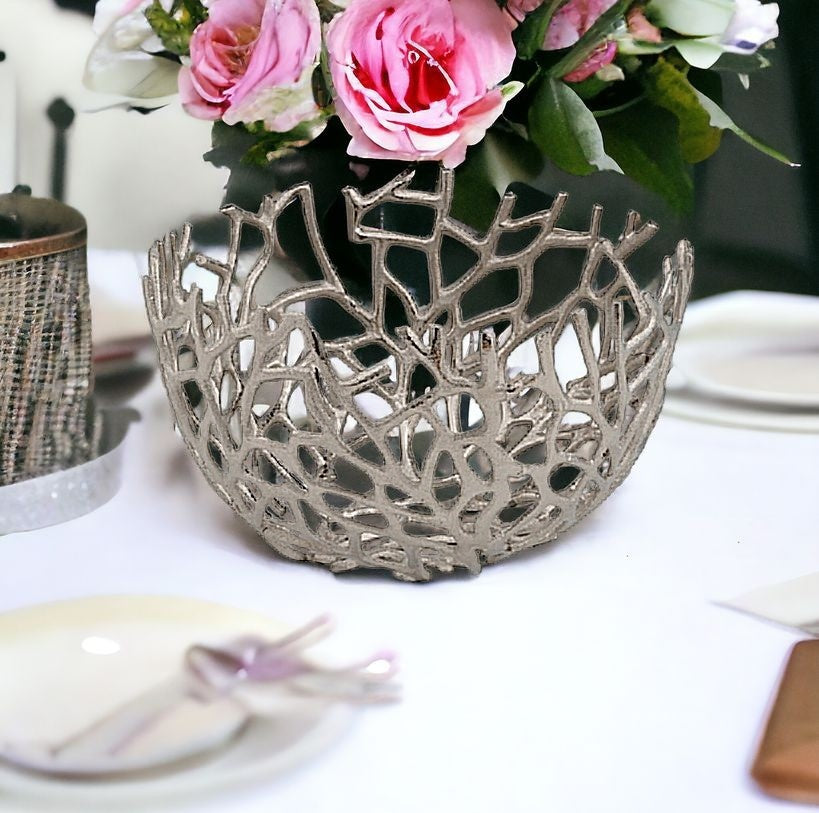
x,y
793,603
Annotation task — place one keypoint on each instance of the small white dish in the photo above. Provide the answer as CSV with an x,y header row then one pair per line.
x,y
750,359
64,664
691,405
754,370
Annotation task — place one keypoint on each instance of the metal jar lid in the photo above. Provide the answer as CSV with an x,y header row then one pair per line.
x,y
42,225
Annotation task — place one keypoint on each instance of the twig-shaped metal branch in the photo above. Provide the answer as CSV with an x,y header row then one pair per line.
x,y
418,448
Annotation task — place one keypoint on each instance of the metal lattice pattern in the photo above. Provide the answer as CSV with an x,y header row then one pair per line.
x,y
45,365
419,448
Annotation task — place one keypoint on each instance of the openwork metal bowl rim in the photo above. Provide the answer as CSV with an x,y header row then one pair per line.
x,y
346,460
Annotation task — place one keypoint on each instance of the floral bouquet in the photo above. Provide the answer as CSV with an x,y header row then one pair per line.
x,y
491,87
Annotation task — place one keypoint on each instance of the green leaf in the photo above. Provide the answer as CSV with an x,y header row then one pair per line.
x,y
271,146
328,10
719,118
607,24
742,63
475,200
669,87
254,145
529,35
632,47
317,163
502,158
708,82
644,140
175,28
511,89
229,144
193,11
566,131
589,88
511,158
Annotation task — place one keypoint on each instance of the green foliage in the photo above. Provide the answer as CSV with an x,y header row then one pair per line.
x,y
566,131
742,63
502,158
590,88
270,146
668,87
253,145
664,117
644,140
719,118
321,163
174,28
529,35
229,144
475,200
327,10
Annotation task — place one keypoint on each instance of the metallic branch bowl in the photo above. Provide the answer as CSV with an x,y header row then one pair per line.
x,y
451,440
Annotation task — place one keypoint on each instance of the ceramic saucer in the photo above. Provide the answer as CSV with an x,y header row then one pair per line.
x,y
67,663
749,359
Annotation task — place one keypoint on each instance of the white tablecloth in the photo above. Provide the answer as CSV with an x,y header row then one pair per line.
x,y
594,675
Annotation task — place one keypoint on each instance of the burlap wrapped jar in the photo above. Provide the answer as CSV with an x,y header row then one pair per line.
x,y
45,339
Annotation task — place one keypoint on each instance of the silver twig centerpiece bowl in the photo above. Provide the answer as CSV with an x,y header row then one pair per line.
x,y
448,440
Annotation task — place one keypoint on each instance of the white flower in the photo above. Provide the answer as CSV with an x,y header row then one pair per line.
x,y
127,22
716,26
692,18
122,61
752,25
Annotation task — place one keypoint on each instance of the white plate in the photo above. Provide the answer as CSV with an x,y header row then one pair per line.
x,y
66,663
749,359
688,404
754,347
768,372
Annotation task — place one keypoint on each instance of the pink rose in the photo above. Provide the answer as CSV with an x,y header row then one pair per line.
x,y
253,60
641,28
419,79
569,24
518,9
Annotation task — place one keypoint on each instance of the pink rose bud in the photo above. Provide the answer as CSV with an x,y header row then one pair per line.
x,y
253,60
518,9
419,79
641,28
569,24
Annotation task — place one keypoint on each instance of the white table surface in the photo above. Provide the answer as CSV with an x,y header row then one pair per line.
x,y
593,675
